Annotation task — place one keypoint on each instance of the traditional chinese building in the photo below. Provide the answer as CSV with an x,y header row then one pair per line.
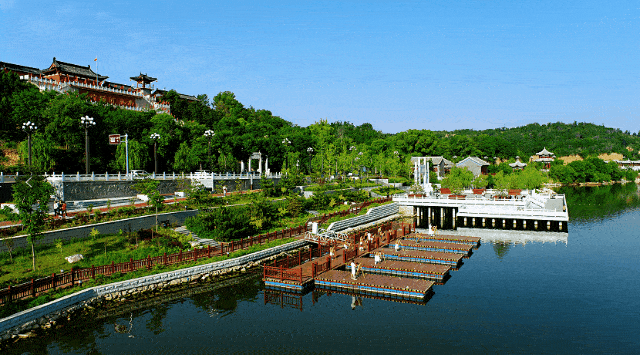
x,y
67,77
518,165
546,157
474,164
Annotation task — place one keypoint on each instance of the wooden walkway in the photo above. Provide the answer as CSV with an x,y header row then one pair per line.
x,y
475,241
374,284
408,273
435,245
419,256
403,268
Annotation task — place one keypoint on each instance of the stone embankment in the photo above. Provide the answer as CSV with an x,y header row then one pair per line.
x,y
26,323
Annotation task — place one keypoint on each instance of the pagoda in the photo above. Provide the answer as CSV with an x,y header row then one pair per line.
x,y
545,157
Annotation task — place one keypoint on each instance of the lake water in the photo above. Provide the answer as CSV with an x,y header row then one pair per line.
x,y
548,293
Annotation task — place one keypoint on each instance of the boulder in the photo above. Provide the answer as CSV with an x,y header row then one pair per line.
x,y
74,258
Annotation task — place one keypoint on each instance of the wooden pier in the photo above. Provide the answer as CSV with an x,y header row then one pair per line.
x,y
459,239
408,273
403,269
419,256
432,245
374,284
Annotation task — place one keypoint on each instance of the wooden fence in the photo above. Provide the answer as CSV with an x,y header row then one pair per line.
x,y
76,276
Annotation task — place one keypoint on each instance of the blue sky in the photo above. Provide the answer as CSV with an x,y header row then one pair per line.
x,y
438,65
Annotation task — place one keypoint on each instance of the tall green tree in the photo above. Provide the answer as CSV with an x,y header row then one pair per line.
x,y
31,195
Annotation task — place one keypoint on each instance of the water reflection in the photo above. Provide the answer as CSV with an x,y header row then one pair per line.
x,y
598,202
501,249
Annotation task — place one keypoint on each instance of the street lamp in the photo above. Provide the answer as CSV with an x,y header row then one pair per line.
x,y
29,127
310,152
155,137
209,134
286,143
86,121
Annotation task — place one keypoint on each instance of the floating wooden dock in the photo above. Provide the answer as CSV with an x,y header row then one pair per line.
x,y
374,284
403,269
461,239
419,256
433,245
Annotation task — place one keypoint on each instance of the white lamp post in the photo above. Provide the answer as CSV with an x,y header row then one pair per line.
x,y
29,127
155,137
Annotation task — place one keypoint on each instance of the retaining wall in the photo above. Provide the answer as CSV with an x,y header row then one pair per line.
x,y
6,192
37,316
373,214
126,225
94,190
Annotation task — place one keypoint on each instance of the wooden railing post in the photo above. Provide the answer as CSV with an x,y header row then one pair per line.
x,y
313,269
281,272
164,259
9,293
180,256
209,251
131,264
113,267
33,289
53,281
93,272
148,262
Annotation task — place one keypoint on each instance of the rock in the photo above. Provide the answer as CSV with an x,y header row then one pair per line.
x,y
74,258
26,335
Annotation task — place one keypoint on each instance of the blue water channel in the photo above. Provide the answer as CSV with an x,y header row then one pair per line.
x,y
576,294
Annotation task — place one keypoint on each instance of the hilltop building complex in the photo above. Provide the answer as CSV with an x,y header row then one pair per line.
x,y
67,77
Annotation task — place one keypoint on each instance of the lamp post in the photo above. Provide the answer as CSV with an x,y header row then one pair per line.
x,y
29,127
209,134
86,121
310,152
155,137
286,143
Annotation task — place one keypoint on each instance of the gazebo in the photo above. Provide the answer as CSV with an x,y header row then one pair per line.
x,y
518,165
546,157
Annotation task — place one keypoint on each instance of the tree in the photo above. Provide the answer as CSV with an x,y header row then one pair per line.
x,y
457,180
149,187
31,195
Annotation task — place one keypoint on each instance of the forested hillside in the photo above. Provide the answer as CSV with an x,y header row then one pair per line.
x,y
58,144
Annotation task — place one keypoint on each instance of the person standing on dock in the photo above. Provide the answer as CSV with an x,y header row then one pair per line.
x,y
397,245
376,258
332,252
353,270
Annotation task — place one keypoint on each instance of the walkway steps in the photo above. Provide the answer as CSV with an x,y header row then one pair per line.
x,y
433,245
374,284
475,241
403,269
431,257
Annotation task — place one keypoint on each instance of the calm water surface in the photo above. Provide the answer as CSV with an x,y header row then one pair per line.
x,y
575,293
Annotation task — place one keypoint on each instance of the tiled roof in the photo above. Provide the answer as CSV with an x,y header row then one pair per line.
x,y
544,151
182,96
109,84
73,69
20,68
518,164
144,78
475,160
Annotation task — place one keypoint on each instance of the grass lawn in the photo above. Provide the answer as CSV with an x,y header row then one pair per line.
x,y
20,305
119,248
